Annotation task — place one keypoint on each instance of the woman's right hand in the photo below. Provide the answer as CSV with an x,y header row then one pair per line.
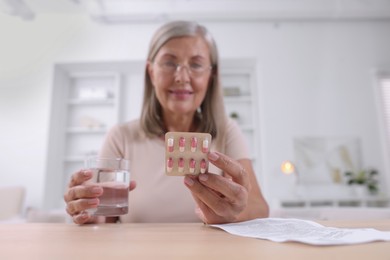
x,y
81,197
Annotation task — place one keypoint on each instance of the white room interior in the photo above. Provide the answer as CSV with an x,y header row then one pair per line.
x,y
316,66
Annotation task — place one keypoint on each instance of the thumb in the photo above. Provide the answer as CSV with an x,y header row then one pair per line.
x,y
132,185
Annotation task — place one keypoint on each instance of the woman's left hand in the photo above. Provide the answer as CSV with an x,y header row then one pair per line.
x,y
222,199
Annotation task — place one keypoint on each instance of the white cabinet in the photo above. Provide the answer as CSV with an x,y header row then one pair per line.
x,y
92,107
241,100
86,107
89,98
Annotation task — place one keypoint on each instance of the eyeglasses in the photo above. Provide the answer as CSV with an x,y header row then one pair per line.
x,y
195,69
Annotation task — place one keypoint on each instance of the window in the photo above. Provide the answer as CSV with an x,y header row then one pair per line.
x,y
384,93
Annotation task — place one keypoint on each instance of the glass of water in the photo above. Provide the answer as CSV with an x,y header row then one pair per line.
x,y
113,175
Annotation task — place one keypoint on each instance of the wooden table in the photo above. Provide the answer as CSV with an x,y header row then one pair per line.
x,y
168,241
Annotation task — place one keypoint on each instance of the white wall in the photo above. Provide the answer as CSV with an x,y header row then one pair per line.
x,y
314,79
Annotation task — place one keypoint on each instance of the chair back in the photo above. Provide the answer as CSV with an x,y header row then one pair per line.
x,y
11,201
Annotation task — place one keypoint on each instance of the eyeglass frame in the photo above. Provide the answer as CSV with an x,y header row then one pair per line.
x,y
175,68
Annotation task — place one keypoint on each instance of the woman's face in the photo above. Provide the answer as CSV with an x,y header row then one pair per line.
x,y
180,75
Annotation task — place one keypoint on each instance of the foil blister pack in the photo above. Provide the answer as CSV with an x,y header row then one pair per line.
x,y
186,153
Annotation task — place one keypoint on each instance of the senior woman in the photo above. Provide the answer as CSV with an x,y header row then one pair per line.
x,y
182,93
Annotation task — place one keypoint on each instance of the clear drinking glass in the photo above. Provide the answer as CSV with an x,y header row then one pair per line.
x,y
113,175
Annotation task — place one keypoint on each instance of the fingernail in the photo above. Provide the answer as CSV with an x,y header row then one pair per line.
x,y
97,190
93,201
203,177
213,156
87,173
188,181
84,214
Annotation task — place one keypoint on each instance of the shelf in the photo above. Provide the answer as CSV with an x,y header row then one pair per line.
x,y
75,159
340,202
246,127
96,102
86,130
238,99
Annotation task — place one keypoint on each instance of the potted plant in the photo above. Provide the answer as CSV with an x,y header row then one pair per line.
x,y
234,115
364,178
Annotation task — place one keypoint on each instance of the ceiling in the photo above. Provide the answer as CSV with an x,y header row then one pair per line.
x,y
112,11
45,6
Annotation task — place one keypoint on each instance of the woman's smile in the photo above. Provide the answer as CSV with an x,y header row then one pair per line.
x,y
181,94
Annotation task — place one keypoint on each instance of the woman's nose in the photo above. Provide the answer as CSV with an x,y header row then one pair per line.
x,y
182,74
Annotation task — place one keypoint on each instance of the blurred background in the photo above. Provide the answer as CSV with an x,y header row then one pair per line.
x,y
307,81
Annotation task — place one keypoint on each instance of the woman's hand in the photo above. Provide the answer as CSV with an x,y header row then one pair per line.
x,y
81,197
233,197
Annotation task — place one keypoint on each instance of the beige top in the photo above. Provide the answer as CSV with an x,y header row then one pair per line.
x,y
158,197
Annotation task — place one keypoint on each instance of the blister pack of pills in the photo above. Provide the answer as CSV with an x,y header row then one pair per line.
x,y
186,153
